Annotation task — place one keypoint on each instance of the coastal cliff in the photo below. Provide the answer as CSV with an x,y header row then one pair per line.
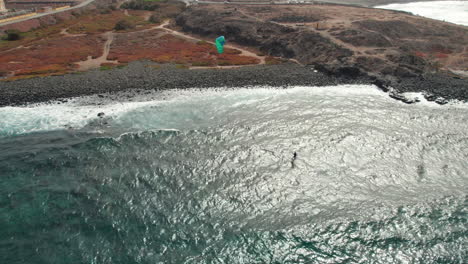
x,y
395,48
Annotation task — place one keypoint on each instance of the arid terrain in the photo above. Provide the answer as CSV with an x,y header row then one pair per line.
x,y
89,40
369,3
335,38
388,48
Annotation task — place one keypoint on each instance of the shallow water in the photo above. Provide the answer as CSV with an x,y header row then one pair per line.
x,y
209,177
450,11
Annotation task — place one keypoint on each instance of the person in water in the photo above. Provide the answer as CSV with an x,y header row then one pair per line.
x,y
293,159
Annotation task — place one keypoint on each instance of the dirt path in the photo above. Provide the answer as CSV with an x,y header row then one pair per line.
x,y
343,44
244,52
316,27
91,63
65,33
15,48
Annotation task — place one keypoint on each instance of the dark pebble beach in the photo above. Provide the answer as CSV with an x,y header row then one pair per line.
x,y
148,76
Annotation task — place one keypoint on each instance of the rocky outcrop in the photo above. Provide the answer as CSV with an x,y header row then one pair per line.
x,y
307,47
387,46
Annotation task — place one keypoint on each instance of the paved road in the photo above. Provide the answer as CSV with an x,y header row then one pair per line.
x,y
85,3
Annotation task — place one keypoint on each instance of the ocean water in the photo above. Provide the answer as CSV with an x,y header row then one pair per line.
x,y
208,176
450,11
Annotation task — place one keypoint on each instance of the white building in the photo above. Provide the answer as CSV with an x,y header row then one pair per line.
x,y
2,6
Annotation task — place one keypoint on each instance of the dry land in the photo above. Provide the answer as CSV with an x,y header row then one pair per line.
x,y
89,40
344,43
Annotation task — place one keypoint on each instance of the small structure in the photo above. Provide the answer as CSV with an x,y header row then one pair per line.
x,y
2,6
44,9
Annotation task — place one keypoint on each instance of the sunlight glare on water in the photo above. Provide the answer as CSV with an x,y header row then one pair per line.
x,y
208,176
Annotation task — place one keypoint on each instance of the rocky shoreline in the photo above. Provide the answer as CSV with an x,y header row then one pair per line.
x,y
333,45
142,75
391,49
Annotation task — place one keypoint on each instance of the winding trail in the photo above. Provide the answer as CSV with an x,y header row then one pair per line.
x,y
244,52
65,33
91,63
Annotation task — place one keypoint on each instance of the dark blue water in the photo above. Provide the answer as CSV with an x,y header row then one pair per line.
x,y
209,177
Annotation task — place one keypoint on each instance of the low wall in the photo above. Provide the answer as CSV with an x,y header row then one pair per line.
x,y
32,5
33,23
45,20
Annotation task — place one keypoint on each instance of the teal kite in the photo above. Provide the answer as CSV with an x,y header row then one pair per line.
x,y
220,41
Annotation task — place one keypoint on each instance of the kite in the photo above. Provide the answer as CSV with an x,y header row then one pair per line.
x,y
220,41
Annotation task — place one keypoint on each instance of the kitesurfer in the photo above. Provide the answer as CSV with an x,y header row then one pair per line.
x,y
293,159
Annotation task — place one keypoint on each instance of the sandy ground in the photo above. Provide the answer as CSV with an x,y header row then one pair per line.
x,y
91,63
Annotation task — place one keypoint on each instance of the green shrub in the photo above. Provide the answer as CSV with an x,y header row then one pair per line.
x,y
106,67
155,18
123,25
105,11
12,34
201,64
166,9
224,63
140,5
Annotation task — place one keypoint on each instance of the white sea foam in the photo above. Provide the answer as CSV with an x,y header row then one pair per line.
x,y
54,116
355,144
191,109
450,11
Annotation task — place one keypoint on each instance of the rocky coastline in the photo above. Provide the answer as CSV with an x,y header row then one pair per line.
x,y
144,75
330,45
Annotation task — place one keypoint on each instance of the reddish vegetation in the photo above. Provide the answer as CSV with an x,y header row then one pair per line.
x,y
440,55
55,55
161,47
54,49
91,23
24,26
420,54
139,13
434,55
45,51
87,23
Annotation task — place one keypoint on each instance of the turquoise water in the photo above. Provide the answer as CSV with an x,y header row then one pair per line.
x,y
209,177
